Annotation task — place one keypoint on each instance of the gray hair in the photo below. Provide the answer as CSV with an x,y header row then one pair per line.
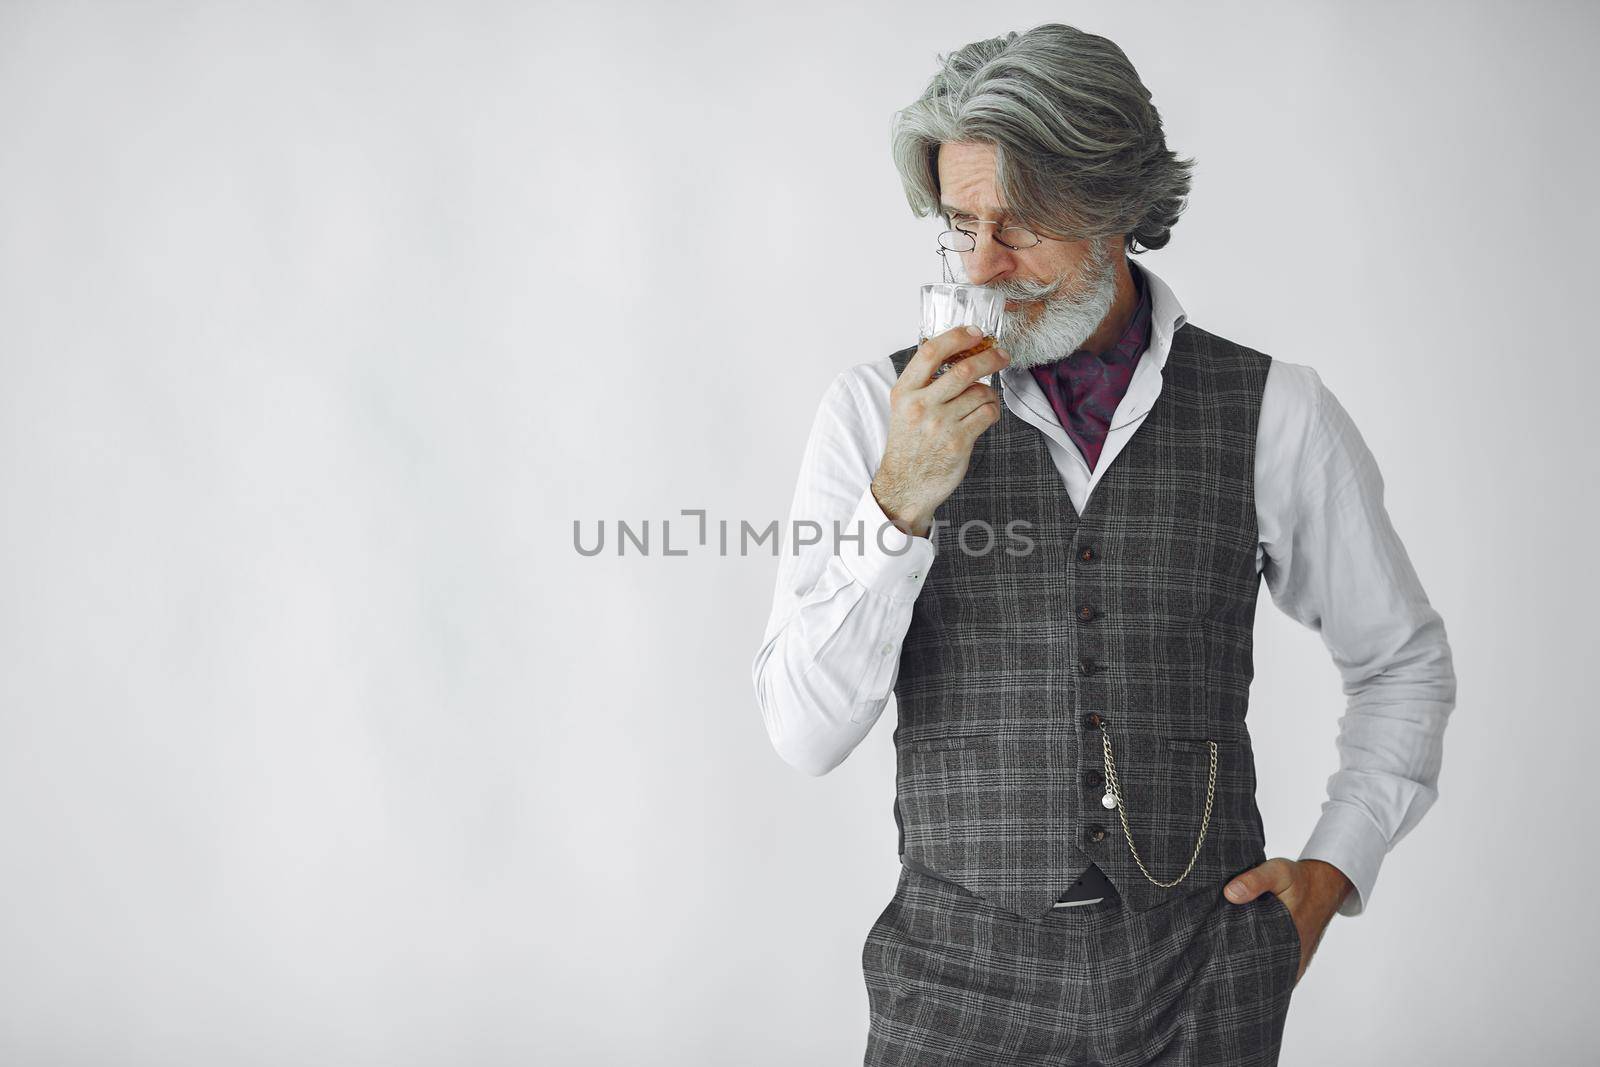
x,y
1079,151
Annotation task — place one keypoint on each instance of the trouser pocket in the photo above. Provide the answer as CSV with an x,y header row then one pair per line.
x,y
877,939
1288,932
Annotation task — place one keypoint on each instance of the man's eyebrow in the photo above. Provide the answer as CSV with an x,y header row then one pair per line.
x,y
996,213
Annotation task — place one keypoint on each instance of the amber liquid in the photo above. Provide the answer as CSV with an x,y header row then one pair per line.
x,y
982,345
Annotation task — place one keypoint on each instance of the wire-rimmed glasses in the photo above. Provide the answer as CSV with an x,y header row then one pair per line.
x,y
1016,238
961,240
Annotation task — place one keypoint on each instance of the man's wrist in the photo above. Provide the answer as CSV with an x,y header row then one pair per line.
x,y
904,520
1328,881
886,559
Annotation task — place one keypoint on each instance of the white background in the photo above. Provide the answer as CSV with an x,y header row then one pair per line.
x,y
321,324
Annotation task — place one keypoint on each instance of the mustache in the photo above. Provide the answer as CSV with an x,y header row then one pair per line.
x,y
1066,284
1030,290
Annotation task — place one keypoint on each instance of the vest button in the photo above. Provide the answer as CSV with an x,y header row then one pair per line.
x,y
1086,613
1086,553
1093,779
1086,666
1096,833
1093,720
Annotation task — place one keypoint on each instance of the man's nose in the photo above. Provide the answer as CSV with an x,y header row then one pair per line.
x,y
989,260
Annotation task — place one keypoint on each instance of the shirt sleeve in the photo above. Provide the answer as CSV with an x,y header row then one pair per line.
x,y
847,580
1335,563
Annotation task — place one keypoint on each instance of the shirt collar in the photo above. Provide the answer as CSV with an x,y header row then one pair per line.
x,y
1167,316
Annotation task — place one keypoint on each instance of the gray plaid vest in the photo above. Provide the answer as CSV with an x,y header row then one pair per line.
x,y
1137,615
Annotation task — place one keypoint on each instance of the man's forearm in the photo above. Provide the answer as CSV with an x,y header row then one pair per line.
x,y
1391,746
825,673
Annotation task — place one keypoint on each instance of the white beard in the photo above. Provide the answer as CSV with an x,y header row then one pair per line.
x,y
1065,317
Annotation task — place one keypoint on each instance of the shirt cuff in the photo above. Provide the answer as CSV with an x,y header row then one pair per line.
x,y
1352,842
880,555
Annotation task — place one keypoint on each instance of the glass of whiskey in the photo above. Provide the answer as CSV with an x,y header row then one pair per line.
x,y
946,305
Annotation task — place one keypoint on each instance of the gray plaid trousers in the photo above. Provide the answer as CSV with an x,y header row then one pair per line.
x,y
953,979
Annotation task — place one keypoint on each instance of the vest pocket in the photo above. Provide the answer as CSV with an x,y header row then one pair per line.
x,y
934,777
924,805
1195,735
1233,834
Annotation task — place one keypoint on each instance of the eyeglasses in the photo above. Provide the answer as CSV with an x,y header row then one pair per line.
x,y
1015,238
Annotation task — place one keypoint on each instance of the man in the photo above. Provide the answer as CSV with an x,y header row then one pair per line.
x,y
1056,574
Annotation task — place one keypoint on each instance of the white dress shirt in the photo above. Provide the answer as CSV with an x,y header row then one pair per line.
x,y
1329,554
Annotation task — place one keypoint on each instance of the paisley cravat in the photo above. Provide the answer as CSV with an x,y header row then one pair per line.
x,y
1085,387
